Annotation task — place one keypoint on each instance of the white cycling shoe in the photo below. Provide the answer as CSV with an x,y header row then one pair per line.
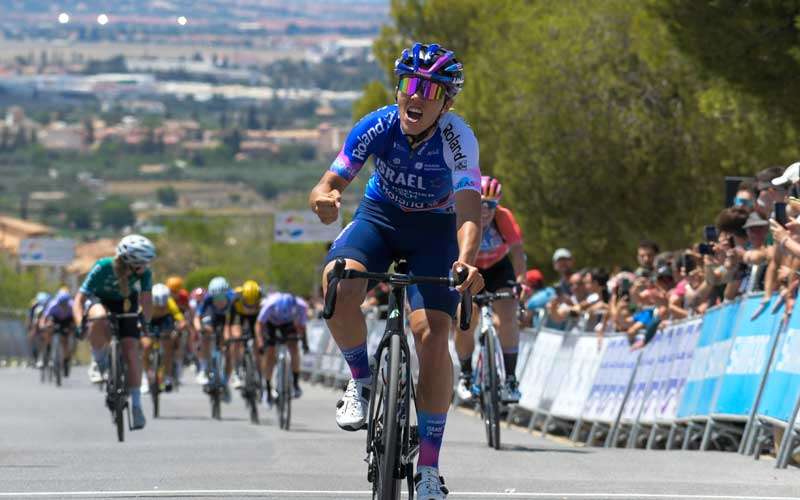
x,y
201,378
464,389
351,410
236,382
95,376
429,484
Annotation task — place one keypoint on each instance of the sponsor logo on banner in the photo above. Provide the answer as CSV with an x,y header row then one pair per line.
x,y
303,226
789,356
748,355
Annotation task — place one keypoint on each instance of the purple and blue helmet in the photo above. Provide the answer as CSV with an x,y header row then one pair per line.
x,y
434,63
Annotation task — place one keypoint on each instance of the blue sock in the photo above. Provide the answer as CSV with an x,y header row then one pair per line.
x,y
136,397
358,361
203,365
431,430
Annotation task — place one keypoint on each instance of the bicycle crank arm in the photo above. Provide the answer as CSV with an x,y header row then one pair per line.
x,y
409,458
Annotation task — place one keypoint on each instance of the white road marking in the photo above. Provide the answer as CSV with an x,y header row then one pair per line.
x,y
350,494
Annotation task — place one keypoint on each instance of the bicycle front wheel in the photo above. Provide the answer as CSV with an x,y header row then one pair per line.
x,y
155,387
56,363
389,459
491,391
115,392
285,397
251,385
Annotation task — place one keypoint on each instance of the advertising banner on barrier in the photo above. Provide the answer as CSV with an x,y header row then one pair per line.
x,y
611,381
534,379
783,384
684,338
641,380
664,346
699,389
317,336
559,371
527,337
747,358
577,383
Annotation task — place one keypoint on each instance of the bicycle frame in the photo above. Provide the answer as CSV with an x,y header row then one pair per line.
x,y
488,333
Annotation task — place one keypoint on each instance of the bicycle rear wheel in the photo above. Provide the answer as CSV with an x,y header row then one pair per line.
x,y
251,385
45,369
387,485
492,392
155,387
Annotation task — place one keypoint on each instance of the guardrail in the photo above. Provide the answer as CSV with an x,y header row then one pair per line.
x,y
730,377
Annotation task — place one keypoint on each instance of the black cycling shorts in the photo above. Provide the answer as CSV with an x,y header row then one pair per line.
x,y
128,327
273,330
214,320
497,277
241,319
162,327
64,326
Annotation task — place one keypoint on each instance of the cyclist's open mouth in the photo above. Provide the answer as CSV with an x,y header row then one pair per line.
x,y
414,114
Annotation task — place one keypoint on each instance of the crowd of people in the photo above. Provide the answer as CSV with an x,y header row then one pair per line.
x,y
753,245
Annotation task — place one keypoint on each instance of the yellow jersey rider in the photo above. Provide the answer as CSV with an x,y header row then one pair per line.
x,y
167,319
246,306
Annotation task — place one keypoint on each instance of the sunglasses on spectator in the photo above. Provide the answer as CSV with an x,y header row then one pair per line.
x,y
427,89
742,202
489,204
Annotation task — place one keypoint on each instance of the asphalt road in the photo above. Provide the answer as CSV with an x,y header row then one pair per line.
x,y
59,443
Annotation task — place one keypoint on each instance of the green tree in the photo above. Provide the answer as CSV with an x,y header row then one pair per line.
x,y
115,212
296,267
375,96
167,196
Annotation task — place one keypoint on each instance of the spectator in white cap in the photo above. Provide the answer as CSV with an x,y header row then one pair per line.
x,y
790,176
562,263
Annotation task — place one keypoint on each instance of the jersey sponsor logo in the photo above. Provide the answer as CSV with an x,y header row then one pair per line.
x,y
365,139
397,161
453,140
461,165
418,165
401,178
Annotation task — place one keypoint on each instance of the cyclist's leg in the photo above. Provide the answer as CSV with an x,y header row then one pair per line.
x,y
433,308
98,334
47,335
269,356
294,351
170,343
147,344
363,247
506,314
232,356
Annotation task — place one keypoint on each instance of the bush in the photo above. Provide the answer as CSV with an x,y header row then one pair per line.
x,y
116,212
167,196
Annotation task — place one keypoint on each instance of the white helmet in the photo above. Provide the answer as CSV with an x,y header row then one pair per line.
x,y
218,286
160,294
136,250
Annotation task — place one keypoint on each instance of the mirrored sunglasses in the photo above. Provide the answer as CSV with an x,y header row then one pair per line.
x,y
489,204
427,89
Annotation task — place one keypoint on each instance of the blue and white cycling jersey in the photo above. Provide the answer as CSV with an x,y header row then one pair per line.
x,y
424,179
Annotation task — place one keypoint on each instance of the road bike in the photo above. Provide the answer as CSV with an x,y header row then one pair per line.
x,y
156,365
117,384
490,374
216,372
284,378
392,442
251,388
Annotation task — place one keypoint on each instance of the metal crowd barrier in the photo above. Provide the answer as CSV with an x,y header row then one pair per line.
x,y
729,378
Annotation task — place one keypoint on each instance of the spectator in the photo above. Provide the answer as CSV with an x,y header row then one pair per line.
x,y
769,193
563,263
646,256
745,194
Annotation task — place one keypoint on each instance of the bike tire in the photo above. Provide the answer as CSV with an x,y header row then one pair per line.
x,y
286,394
389,484
56,363
493,398
216,389
483,402
155,387
250,386
116,399
45,370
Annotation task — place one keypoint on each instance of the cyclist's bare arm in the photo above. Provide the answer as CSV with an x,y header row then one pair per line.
x,y
77,307
468,224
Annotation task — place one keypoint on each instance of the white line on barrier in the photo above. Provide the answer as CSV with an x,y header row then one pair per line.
x,y
340,494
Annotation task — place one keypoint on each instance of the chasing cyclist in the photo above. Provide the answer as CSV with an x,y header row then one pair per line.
x,y
166,321
59,313
35,311
118,284
244,313
501,260
212,313
284,313
422,203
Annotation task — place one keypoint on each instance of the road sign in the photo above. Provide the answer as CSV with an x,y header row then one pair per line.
x,y
298,226
46,252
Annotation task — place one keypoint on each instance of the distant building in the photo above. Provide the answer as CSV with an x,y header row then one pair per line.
x,y
60,136
13,231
